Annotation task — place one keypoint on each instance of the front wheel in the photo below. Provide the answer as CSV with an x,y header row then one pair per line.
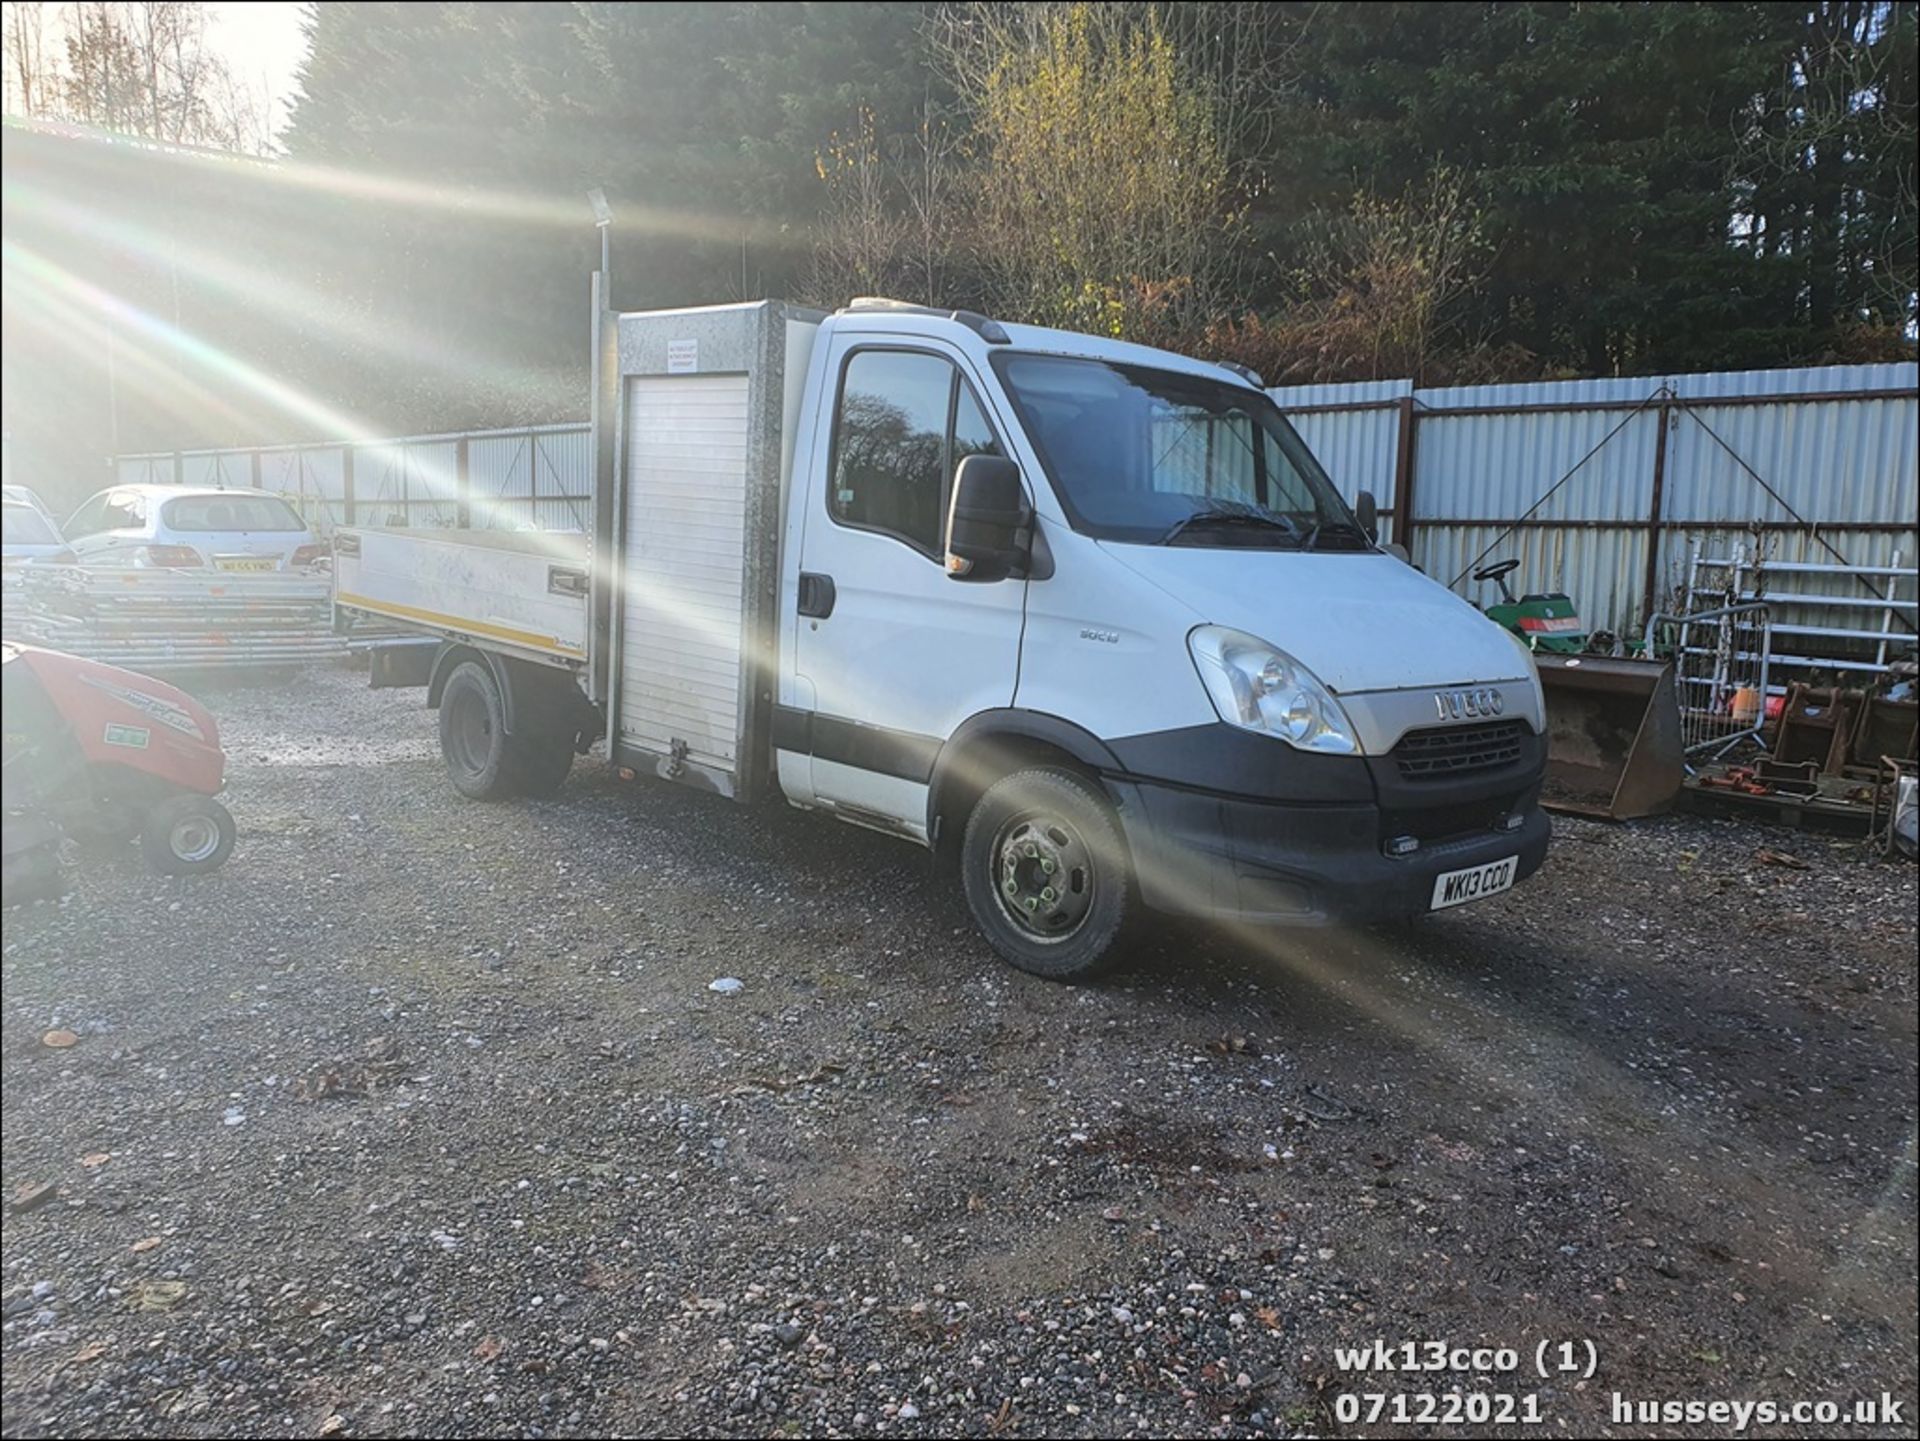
x,y
1045,873
187,836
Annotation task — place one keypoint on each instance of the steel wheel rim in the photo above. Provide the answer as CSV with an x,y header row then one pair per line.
x,y
472,732
1044,876
194,838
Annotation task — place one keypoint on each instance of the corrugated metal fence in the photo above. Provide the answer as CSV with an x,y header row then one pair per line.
x,y
539,476
1606,488
1603,488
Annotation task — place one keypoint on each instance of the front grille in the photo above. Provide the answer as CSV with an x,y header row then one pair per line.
x,y
1458,750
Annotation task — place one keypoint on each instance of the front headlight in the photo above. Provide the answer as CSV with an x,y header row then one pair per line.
x,y
1259,687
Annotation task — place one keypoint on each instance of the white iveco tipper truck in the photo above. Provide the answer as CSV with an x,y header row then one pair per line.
x,y
1085,619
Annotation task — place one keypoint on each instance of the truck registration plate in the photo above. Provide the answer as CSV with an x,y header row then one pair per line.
x,y
1456,888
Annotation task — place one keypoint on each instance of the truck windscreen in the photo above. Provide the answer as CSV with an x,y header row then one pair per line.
x,y
1161,457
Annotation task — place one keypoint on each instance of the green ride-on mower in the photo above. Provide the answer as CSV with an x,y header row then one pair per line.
x,y
1547,621
1613,723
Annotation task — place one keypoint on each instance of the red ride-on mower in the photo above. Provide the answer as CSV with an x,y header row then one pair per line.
x,y
99,753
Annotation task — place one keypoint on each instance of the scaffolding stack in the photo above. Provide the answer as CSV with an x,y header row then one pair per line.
x,y
166,619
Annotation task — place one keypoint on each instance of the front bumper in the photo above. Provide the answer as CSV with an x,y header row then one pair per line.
x,y
1225,857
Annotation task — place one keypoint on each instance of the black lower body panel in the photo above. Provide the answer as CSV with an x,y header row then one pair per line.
x,y
1239,827
1267,862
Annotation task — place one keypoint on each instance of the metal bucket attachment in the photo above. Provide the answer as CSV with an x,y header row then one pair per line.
x,y
1613,736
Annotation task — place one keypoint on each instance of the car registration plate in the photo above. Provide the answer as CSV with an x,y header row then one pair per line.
x,y
1456,888
246,562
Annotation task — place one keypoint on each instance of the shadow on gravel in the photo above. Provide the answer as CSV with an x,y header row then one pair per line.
x,y
1670,1071
1529,1005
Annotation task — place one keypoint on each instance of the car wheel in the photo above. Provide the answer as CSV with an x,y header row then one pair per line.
x,y
473,734
1045,873
187,836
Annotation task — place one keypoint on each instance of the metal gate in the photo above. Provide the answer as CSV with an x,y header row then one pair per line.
x,y
1720,660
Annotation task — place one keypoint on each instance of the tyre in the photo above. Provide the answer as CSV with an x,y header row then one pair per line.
x,y
187,836
1045,874
539,760
473,734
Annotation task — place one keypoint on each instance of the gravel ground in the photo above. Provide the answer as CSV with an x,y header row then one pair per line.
x,y
420,1118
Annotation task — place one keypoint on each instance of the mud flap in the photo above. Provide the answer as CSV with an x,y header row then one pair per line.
x,y
400,664
1613,736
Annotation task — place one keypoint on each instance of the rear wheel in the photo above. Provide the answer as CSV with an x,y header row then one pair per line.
x,y
187,836
473,734
1045,873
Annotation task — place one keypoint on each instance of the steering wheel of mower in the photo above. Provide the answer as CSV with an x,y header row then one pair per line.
x,y
1498,569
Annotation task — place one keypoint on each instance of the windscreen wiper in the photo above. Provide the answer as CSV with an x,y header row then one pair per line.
x,y
1228,517
1335,527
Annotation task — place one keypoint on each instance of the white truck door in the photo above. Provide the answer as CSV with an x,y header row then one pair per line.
x,y
894,654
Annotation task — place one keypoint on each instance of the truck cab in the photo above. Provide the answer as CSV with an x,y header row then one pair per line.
x,y
1201,686
1085,619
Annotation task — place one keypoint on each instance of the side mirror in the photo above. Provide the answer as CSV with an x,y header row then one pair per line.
x,y
1366,510
987,520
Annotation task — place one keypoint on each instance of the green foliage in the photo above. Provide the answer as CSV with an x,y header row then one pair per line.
x,y
1610,146
1373,288
700,122
1102,190
1328,190
1648,187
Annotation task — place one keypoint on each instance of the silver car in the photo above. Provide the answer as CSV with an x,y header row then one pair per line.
x,y
26,534
191,526
25,495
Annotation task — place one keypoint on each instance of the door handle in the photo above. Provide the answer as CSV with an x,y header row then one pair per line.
x,y
816,594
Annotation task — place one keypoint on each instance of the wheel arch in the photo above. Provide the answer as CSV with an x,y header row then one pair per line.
x,y
526,690
993,744
454,654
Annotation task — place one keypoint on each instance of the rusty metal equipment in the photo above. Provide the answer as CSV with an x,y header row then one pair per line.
x,y
1613,735
1886,728
1764,778
1796,778
1743,779
1815,726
